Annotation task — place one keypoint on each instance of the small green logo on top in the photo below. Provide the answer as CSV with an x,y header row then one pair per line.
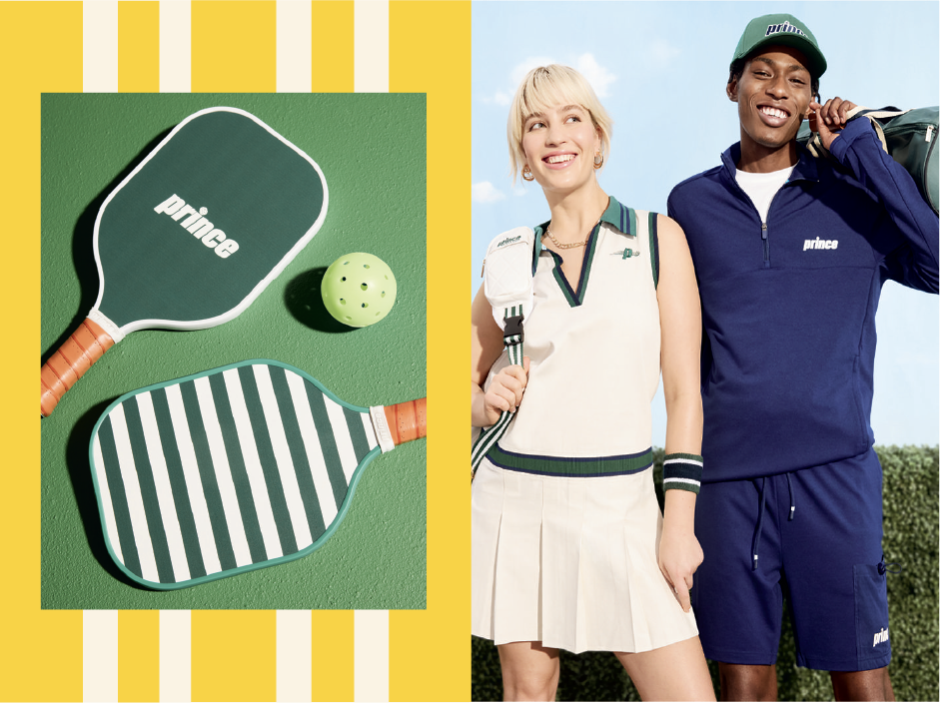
x,y
509,240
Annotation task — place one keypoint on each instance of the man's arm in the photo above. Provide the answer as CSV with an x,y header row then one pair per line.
x,y
857,148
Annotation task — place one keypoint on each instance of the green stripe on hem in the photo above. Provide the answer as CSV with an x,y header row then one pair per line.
x,y
564,466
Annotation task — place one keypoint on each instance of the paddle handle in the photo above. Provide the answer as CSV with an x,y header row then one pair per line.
x,y
86,345
408,420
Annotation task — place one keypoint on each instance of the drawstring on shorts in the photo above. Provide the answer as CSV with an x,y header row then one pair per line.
x,y
755,543
762,506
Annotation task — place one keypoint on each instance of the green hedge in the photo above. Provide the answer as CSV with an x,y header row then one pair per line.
x,y
911,539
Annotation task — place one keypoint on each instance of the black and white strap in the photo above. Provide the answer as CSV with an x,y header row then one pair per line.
x,y
682,471
513,337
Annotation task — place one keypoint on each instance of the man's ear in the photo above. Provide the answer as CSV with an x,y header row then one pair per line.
x,y
731,90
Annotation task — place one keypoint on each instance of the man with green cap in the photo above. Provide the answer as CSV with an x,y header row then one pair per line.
x,y
791,253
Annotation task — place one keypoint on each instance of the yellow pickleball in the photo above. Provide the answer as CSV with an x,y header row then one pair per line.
x,y
359,289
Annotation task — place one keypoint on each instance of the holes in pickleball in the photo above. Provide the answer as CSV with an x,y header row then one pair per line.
x,y
383,293
365,305
364,286
365,266
342,301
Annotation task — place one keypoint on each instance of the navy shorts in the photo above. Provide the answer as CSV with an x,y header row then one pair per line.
x,y
820,530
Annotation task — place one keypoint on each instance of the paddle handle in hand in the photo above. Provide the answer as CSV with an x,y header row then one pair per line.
x,y
86,345
408,420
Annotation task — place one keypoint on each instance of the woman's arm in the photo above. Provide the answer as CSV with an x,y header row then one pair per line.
x,y
680,319
505,391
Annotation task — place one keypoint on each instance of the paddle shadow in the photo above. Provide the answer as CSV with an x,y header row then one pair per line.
x,y
77,461
304,301
83,254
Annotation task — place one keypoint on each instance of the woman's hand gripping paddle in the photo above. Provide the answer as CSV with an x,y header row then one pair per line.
x,y
191,237
235,469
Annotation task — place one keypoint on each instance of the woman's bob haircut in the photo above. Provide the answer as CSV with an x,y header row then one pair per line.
x,y
545,87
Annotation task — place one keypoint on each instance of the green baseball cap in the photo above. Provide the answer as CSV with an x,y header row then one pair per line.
x,y
785,30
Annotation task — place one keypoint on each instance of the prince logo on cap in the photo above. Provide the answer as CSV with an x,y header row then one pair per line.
x,y
785,30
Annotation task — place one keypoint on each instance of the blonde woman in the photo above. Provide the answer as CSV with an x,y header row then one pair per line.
x,y
570,550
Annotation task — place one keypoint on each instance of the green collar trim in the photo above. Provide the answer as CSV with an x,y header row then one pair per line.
x,y
618,216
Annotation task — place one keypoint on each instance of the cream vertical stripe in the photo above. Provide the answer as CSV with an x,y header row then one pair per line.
x,y
282,456
100,46
371,656
293,46
294,654
308,432
253,468
135,501
223,472
99,655
371,50
161,480
371,626
175,54
175,656
105,492
197,497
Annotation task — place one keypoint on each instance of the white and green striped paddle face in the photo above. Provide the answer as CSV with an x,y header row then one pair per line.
x,y
238,468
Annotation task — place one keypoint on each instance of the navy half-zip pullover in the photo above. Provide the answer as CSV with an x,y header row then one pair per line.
x,y
788,305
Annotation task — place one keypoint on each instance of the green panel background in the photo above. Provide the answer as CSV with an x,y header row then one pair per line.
x,y
372,150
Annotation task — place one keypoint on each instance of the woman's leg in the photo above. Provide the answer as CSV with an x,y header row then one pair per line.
x,y
530,671
676,672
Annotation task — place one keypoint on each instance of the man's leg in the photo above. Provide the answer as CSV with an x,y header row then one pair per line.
x,y
737,594
747,682
836,574
872,685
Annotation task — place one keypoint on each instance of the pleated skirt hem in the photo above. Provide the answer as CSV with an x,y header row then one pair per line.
x,y
571,563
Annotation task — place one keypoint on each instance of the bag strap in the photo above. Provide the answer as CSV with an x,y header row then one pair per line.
x,y
507,272
816,148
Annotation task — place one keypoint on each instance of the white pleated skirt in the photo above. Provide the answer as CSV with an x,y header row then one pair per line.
x,y
571,562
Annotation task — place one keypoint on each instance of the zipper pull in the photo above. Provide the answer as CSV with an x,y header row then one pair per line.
x,y
929,132
763,230
483,268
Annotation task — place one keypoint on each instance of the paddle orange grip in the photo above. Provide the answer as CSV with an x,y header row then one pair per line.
x,y
408,420
86,345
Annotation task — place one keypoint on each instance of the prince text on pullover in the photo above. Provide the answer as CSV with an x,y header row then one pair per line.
x,y
788,306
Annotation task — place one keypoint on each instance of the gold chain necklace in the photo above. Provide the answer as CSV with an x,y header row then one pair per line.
x,y
572,245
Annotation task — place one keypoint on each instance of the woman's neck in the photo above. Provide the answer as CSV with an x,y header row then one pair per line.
x,y
574,214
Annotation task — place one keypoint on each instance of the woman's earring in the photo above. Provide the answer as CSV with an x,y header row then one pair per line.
x,y
598,161
527,173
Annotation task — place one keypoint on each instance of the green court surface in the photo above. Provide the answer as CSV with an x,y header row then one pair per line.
x,y
371,149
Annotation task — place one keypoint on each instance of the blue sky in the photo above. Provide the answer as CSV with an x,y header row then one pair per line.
x,y
660,69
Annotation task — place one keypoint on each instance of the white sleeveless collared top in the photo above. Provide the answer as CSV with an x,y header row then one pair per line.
x,y
594,348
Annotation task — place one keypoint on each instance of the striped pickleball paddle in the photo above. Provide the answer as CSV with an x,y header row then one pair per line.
x,y
235,469
193,235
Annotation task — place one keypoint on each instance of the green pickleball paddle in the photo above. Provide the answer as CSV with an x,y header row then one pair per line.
x,y
239,468
193,235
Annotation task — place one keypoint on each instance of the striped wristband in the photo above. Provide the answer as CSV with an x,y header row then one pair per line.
x,y
683,471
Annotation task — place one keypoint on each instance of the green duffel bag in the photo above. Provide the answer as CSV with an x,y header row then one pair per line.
x,y
908,136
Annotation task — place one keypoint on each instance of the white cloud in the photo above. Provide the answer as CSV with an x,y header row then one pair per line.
x,y
486,192
499,98
523,67
598,76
